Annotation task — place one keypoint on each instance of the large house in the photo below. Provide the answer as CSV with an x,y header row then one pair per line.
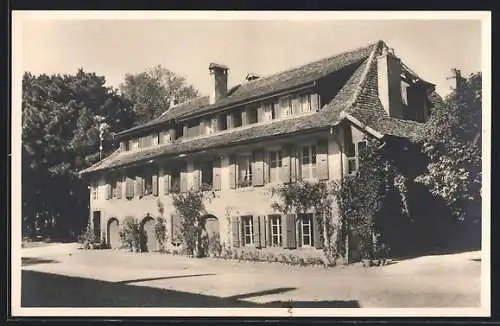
x,y
304,123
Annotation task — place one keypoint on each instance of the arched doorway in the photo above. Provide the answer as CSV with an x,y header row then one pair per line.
x,y
114,233
211,225
149,241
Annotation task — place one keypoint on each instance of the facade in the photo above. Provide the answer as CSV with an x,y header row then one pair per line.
x,y
306,123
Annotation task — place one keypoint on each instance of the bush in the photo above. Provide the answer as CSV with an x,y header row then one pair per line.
x,y
87,238
161,232
131,234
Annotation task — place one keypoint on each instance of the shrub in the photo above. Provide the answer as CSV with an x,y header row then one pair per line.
x,y
161,232
131,234
87,238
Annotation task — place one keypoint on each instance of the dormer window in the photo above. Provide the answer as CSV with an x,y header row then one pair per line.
x,y
222,122
305,103
236,118
286,106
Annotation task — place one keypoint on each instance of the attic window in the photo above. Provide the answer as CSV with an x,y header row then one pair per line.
x,y
237,121
252,114
221,122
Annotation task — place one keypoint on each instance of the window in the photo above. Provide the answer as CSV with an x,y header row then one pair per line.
x,y
275,164
95,191
286,106
145,141
308,161
207,175
237,121
222,122
126,146
133,143
306,230
248,231
352,152
193,129
158,138
252,114
147,184
209,127
113,182
175,181
244,171
276,238
305,103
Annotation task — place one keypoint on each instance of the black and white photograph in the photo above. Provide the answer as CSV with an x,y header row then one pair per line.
x,y
278,163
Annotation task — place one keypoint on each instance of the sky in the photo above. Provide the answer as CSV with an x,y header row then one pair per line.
x,y
112,48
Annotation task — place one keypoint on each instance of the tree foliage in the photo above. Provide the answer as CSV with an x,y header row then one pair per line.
x,y
150,92
452,143
61,120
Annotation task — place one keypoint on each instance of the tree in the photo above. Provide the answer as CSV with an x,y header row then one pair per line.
x,y
452,144
151,92
61,116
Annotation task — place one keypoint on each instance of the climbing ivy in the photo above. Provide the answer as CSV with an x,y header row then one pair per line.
x,y
348,207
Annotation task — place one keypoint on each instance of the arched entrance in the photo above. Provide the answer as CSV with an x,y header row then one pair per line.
x,y
114,233
212,225
149,241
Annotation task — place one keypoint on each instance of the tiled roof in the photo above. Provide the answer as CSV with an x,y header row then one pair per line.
x,y
263,86
357,100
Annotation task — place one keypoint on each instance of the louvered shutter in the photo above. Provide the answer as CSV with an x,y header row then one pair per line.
x,y
262,231
322,159
183,185
171,133
232,172
315,102
258,168
122,146
166,183
294,164
139,190
244,118
285,165
155,184
289,240
201,128
229,120
298,225
129,188
266,168
108,191
235,231
318,244
185,131
196,178
295,105
256,231
260,113
119,189
217,175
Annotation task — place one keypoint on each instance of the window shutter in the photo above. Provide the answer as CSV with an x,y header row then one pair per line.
x,y
258,168
201,128
262,231
108,191
122,146
260,113
298,225
232,172
139,187
235,230
243,117
155,184
119,189
185,131
315,102
166,183
295,105
196,178
266,167
322,159
256,231
318,244
183,185
285,166
289,240
229,118
129,188
294,165
217,176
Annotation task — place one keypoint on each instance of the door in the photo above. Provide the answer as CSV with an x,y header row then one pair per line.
x,y
96,223
149,234
114,234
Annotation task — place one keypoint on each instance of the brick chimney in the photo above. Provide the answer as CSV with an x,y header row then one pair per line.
x,y
218,78
389,83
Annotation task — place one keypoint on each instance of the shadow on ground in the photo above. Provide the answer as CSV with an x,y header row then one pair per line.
x,y
51,290
28,261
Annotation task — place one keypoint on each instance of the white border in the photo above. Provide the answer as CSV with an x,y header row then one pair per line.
x,y
19,16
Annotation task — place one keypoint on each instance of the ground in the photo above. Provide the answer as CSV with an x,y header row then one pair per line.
x,y
62,275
